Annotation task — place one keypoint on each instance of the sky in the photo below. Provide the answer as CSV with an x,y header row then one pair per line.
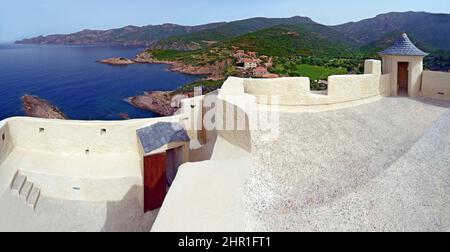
x,y
27,18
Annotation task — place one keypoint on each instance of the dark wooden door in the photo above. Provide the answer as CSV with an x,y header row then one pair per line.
x,y
155,181
403,75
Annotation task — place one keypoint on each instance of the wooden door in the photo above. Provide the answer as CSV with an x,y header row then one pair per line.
x,y
403,75
155,182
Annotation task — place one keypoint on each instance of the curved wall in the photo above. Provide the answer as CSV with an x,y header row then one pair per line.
x,y
296,91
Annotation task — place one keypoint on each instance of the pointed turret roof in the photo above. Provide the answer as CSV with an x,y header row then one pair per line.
x,y
403,47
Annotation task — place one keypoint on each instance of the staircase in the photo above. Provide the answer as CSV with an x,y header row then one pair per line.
x,y
25,190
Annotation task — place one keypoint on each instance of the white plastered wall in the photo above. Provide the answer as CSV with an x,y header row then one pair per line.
x,y
341,88
436,85
52,153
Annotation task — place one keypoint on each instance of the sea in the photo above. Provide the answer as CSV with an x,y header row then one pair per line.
x,y
70,78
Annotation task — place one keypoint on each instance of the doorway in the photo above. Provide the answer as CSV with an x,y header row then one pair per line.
x,y
402,78
155,182
160,171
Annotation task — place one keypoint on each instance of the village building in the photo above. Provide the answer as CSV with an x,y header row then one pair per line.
x,y
249,63
270,76
260,71
252,54
268,64
239,55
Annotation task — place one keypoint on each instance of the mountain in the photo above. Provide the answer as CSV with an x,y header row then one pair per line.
x,y
206,37
430,30
129,35
387,40
168,36
307,39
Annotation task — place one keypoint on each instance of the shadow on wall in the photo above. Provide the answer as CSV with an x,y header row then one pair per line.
x,y
128,215
205,151
229,124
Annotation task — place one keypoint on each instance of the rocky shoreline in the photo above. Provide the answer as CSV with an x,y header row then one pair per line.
x,y
118,61
37,107
158,102
212,72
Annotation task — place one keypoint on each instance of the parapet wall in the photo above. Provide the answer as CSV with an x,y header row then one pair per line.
x,y
75,160
436,85
75,137
6,145
297,92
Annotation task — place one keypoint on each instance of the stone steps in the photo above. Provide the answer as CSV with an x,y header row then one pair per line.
x,y
25,190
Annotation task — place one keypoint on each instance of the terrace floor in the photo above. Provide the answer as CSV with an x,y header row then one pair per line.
x,y
107,198
380,166
58,215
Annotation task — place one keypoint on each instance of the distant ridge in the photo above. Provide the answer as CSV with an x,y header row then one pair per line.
x,y
428,29
128,35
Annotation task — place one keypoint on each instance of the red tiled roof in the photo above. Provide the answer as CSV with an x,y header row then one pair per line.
x,y
249,61
260,69
270,76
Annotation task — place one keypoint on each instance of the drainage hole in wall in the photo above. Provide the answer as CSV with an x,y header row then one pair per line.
x,y
76,188
3,137
86,152
41,130
103,132
441,93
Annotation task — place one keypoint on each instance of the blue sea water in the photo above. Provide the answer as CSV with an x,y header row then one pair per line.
x,y
69,78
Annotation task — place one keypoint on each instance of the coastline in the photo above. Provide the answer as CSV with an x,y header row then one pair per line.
x,y
211,72
38,107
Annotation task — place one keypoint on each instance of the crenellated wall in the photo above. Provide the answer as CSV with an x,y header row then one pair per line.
x,y
296,91
436,85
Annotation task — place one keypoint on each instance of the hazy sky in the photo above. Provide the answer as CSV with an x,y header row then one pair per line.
x,y
26,18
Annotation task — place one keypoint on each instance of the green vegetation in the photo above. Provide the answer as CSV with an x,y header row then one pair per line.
x,y
302,40
438,61
208,86
201,57
301,48
318,72
316,68
225,31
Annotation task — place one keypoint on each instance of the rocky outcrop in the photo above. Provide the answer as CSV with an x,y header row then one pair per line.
x,y
124,116
213,71
37,107
158,102
118,61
